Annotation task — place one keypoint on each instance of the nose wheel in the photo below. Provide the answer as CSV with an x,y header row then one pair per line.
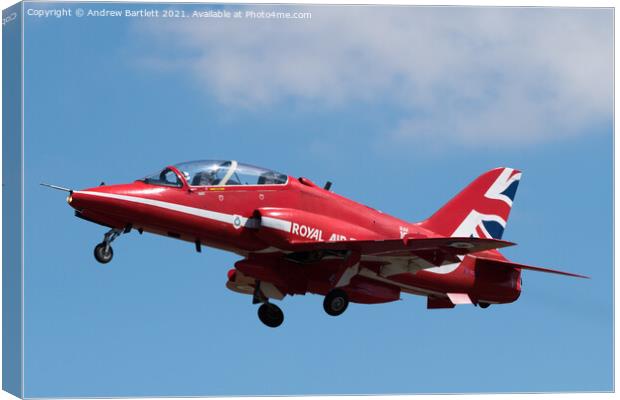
x,y
103,251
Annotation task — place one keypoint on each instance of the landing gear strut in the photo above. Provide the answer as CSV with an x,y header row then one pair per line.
x,y
103,251
336,302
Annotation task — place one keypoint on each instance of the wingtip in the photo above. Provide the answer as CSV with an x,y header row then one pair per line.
x,y
503,243
506,242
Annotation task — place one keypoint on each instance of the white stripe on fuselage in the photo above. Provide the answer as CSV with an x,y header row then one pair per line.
x,y
269,222
275,223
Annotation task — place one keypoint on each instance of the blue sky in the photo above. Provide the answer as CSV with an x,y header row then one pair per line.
x,y
400,108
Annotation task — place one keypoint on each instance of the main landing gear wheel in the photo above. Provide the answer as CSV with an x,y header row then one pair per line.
x,y
484,305
336,302
103,253
270,315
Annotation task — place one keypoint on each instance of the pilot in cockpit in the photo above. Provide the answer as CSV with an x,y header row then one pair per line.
x,y
268,178
205,178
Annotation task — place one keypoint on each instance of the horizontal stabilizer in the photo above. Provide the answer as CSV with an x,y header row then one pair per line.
x,y
499,263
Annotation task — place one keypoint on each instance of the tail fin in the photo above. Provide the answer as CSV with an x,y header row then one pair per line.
x,y
481,209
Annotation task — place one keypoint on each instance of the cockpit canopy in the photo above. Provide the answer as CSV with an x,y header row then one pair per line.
x,y
216,173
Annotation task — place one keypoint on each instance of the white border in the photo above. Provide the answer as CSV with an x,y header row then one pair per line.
x,y
512,3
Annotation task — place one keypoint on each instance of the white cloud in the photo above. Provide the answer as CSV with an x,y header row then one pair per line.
x,y
511,75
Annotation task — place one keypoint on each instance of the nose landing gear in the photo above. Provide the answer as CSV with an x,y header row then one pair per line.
x,y
103,251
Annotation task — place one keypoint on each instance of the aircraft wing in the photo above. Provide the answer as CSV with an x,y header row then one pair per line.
x,y
437,251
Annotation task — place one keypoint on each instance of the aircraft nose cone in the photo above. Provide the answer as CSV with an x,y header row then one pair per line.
x,y
78,200
100,199
101,205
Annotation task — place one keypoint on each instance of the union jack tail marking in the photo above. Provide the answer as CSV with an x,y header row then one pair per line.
x,y
481,209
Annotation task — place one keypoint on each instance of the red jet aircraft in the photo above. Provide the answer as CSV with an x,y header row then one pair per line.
x,y
295,237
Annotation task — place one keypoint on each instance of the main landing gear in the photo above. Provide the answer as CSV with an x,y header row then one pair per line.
x,y
103,251
336,302
268,313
